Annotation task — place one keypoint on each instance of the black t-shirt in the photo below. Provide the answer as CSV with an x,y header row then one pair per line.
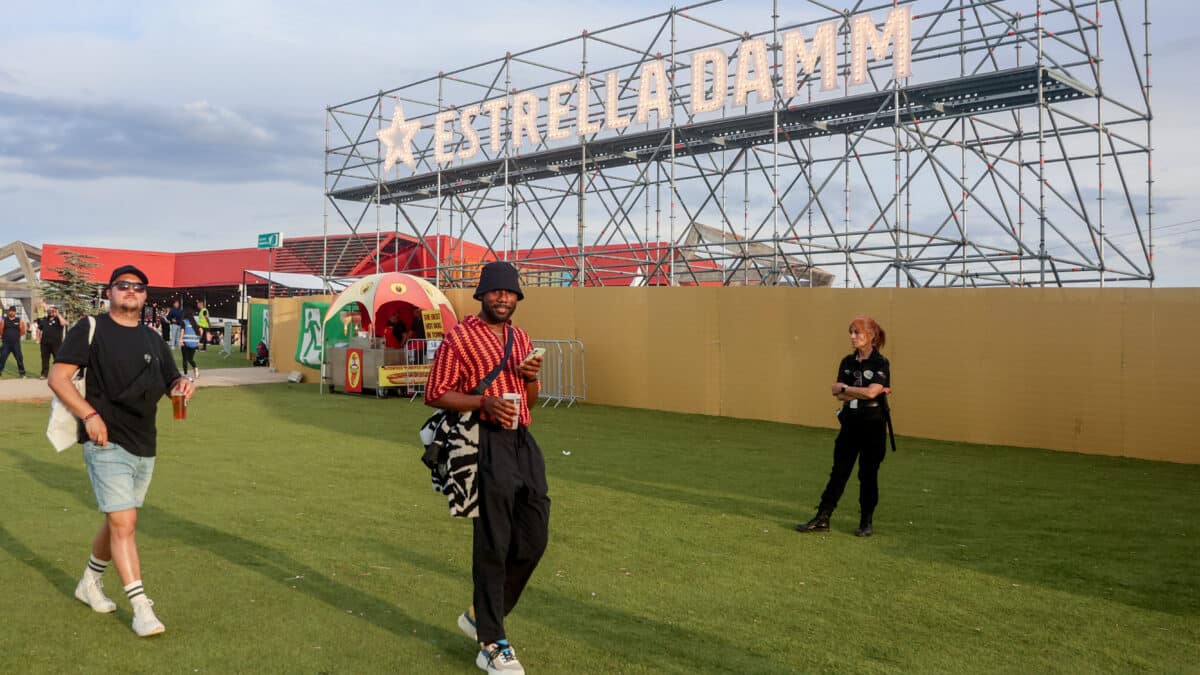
x,y
52,329
12,329
128,371
874,370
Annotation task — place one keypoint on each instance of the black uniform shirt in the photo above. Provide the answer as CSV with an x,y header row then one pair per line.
x,y
128,371
874,370
52,329
12,329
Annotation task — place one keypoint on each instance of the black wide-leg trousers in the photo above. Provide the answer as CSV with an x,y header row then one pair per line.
x,y
513,524
863,438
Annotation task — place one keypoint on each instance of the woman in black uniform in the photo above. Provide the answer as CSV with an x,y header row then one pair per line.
x,y
863,382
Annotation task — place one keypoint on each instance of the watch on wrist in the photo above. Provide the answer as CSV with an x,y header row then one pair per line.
x,y
844,388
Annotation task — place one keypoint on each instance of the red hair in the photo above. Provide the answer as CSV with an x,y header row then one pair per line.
x,y
866,324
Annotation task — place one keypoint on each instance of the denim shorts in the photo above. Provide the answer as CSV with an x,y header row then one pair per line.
x,y
119,479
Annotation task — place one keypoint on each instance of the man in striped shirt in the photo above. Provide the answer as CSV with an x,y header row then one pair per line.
x,y
514,507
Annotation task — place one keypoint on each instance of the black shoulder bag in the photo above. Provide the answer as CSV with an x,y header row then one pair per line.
x,y
444,426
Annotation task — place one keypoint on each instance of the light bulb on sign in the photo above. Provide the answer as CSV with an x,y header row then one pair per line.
x,y
897,30
524,120
582,122
492,109
612,116
397,138
443,133
701,102
653,92
752,53
470,137
823,51
556,110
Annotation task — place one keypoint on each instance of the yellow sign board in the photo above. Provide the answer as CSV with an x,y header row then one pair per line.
x,y
432,319
403,376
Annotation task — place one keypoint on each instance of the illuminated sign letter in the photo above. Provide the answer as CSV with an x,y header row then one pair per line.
x,y
824,51
701,102
492,109
524,121
443,134
582,123
752,53
612,116
556,110
897,30
470,144
654,77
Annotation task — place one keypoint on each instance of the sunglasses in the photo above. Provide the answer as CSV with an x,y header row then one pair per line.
x,y
129,286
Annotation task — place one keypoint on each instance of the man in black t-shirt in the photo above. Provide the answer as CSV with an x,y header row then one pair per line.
x,y
51,330
128,369
12,329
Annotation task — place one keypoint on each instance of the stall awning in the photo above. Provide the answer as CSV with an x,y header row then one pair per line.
x,y
304,282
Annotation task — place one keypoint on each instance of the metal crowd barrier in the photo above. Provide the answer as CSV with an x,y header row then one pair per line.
x,y
419,352
564,378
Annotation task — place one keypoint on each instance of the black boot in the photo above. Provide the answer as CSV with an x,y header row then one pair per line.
x,y
864,526
819,523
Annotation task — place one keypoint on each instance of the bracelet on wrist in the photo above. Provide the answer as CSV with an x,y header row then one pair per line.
x,y
90,416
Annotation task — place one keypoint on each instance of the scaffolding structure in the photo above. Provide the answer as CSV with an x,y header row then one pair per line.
x,y
1017,152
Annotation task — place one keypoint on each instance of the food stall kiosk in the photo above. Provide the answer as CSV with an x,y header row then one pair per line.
x,y
374,358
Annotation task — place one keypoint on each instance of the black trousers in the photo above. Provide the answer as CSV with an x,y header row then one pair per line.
x,y
863,437
48,351
513,524
11,347
189,357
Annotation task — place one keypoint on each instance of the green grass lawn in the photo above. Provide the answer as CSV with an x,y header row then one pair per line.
x,y
289,532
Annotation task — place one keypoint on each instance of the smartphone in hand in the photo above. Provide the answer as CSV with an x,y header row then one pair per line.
x,y
537,351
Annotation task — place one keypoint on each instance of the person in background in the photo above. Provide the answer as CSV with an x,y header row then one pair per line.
x,y
864,380
190,342
51,331
128,370
39,312
175,319
395,331
12,330
203,322
262,355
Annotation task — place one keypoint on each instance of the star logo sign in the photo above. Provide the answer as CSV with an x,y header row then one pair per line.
x,y
398,139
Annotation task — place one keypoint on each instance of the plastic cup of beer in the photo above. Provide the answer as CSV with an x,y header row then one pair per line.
x,y
516,401
178,404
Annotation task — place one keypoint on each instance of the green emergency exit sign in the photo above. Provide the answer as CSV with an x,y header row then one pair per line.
x,y
270,240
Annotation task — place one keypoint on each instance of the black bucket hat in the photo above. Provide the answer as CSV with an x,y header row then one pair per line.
x,y
128,269
499,276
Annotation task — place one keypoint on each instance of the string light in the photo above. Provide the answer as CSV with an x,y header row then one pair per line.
x,y
652,92
824,51
556,110
897,30
471,137
442,135
752,52
524,119
583,104
492,109
612,117
701,103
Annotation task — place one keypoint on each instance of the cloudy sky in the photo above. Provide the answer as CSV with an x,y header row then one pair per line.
x,y
187,125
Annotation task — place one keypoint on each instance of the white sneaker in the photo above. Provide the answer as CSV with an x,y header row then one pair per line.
x,y
145,623
197,376
499,657
467,625
90,592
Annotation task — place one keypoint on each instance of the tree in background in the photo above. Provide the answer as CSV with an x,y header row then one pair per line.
x,y
74,294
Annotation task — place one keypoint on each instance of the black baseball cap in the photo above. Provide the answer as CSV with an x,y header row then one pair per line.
x,y
128,269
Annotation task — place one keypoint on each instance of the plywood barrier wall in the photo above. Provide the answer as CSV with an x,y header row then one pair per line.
x,y
1099,371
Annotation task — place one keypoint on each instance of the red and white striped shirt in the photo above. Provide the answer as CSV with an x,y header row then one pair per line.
x,y
469,352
